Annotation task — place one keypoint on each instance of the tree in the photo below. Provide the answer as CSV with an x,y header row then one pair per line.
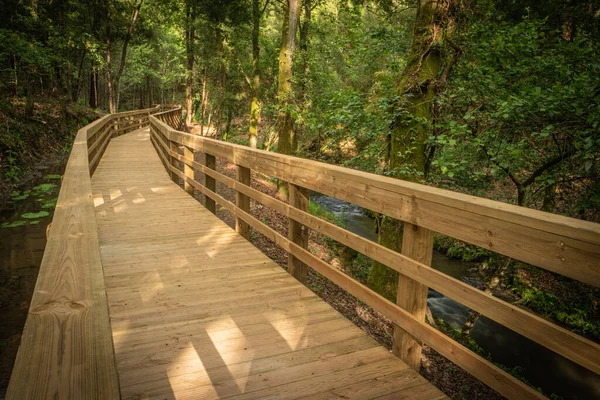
x,y
113,80
285,119
423,77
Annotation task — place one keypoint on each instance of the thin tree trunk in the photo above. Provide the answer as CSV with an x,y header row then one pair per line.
x,y
114,84
190,36
255,84
109,81
284,93
94,89
203,105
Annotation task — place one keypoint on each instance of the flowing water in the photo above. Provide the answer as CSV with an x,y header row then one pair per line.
x,y
23,223
540,366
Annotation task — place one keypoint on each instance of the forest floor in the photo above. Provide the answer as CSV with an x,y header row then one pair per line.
x,y
448,377
30,142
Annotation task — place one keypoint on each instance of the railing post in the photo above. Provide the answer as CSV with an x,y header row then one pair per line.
x,y
209,182
188,171
242,201
297,232
174,162
417,243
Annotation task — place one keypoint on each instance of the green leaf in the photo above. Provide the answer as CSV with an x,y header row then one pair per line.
x,y
40,214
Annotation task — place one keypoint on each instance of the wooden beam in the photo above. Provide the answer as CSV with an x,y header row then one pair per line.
x,y
66,349
242,201
298,233
210,162
188,170
417,244
174,161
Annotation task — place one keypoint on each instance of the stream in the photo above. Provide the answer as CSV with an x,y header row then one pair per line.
x,y
540,366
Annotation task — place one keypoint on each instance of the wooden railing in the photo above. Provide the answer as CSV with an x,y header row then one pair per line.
x,y
66,349
562,245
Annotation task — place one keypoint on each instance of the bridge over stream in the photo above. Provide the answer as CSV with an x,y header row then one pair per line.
x,y
144,293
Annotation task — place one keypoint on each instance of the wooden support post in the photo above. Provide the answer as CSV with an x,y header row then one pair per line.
x,y
174,162
417,243
242,201
188,171
209,182
298,233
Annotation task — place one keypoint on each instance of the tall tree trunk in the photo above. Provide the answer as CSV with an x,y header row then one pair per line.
x,y
190,35
220,80
417,88
255,84
113,85
94,88
303,81
112,107
285,120
203,105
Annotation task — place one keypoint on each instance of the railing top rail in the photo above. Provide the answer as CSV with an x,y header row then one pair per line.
x,y
564,245
66,348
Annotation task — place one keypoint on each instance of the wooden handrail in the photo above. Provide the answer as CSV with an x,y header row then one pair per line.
x,y
563,245
66,349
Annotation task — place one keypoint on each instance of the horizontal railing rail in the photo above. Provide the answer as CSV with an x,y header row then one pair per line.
x,y
66,349
559,244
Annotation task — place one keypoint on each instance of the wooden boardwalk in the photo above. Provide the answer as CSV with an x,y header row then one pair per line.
x,y
197,312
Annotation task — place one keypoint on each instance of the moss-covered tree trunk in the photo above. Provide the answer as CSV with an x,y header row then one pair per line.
x,y
412,123
255,83
285,120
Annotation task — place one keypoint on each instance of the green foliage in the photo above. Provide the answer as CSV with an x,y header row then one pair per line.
x,y
31,215
522,106
577,309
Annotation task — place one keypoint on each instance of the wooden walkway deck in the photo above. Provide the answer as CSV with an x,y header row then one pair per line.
x,y
197,312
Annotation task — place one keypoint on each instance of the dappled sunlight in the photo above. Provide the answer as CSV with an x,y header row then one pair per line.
x,y
98,200
115,193
180,383
139,199
120,206
160,189
222,332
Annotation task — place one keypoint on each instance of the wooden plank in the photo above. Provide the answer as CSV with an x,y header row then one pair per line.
x,y
558,339
479,367
66,348
242,201
563,245
188,170
417,244
297,233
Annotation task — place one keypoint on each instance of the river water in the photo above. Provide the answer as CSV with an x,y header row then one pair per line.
x,y
540,366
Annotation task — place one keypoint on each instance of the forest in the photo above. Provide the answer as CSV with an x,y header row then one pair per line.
x,y
498,99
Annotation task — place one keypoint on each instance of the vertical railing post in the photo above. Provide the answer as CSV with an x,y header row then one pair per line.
x,y
298,233
209,182
188,171
242,201
417,243
174,161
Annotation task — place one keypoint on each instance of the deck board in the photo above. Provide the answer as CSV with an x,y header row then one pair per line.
x,y
197,312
